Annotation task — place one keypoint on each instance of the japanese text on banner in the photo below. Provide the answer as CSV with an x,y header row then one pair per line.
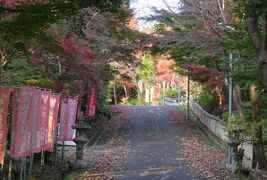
x,y
91,100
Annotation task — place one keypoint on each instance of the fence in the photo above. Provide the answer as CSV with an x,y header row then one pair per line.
x,y
217,127
214,124
174,101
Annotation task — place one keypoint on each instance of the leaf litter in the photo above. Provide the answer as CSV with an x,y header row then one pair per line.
x,y
104,160
197,156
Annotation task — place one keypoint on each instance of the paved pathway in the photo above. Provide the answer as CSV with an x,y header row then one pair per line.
x,y
153,144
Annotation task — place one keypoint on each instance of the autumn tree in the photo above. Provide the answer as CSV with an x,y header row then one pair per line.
x,y
70,43
18,16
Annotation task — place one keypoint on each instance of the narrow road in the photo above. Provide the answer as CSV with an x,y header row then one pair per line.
x,y
152,142
153,139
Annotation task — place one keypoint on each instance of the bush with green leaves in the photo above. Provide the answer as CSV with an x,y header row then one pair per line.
x,y
205,97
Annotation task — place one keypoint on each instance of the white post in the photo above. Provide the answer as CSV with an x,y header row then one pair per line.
x,y
179,90
188,96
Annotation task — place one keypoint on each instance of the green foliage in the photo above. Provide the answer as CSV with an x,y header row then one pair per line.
x,y
38,16
247,128
19,71
205,97
250,7
173,93
146,69
102,97
246,67
235,123
247,72
134,102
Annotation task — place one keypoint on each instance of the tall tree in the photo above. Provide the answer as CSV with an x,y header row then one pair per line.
x,y
255,15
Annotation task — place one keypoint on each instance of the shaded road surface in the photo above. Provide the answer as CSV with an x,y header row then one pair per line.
x,y
153,142
142,142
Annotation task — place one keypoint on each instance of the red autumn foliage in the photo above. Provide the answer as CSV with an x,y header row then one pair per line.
x,y
74,49
13,4
128,83
8,3
210,77
165,71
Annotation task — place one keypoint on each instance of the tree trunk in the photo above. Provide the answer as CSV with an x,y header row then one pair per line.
x,y
260,44
264,75
125,92
263,65
258,145
139,90
259,40
140,96
238,102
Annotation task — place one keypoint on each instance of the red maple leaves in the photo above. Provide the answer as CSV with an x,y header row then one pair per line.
x,y
8,3
70,47
165,70
12,4
128,83
210,77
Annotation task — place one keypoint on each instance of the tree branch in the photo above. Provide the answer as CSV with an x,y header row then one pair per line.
x,y
221,8
168,6
208,13
91,19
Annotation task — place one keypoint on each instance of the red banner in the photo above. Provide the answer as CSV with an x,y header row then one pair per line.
x,y
52,122
4,101
33,119
15,99
63,112
68,113
43,113
91,103
22,135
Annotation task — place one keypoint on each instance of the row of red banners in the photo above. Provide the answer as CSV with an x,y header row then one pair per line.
x,y
34,119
